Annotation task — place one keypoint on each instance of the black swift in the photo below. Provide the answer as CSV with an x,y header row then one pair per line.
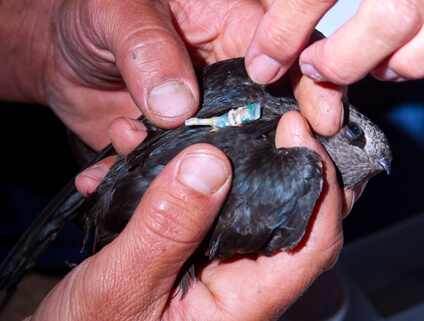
x,y
273,194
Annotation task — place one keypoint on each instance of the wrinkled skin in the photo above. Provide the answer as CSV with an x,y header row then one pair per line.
x,y
88,99
93,61
223,288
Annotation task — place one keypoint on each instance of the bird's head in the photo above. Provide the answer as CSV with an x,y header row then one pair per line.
x,y
360,150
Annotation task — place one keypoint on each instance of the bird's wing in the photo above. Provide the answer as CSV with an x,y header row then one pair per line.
x,y
226,86
272,208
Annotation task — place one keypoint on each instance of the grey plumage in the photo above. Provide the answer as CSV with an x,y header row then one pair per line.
x,y
274,190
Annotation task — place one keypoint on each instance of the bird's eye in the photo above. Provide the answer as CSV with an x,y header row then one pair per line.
x,y
353,131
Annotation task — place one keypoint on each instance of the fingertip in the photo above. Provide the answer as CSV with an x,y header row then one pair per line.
x,y
126,134
292,131
87,181
156,68
264,70
309,70
176,212
171,102
188,193
349,198
321,104
307,63
168,96
324,62
384,73
280,37
204,170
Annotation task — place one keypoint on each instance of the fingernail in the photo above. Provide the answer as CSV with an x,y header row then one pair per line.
x,y
359,190
136,125
98,172
203,173
354,194
171,99
390,75
310,72
264,69
342,116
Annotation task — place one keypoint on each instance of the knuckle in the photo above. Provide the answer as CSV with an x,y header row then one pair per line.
x,y
289,25
170,218
338,68
278,38
315,3
339,73
409,69
330,253
145,45
398,18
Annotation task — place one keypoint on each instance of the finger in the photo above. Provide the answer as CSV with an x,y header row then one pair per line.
x,y
209,27
268,285
320,103
131,277
406,63
126,134
349,197
294,130
88,180
373,34
321,245
171,220
281,35
153,62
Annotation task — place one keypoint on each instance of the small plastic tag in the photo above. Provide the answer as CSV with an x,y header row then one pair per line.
x,y
235,117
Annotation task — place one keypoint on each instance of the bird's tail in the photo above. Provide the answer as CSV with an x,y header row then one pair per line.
x,y
62,209
36,239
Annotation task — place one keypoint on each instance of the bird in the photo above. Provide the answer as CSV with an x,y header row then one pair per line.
x,y
273,193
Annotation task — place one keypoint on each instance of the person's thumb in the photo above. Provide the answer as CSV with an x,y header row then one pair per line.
x,y
133,276
154,62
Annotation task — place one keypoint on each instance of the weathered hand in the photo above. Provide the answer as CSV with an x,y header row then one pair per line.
x,y
94,61
285,29
138,52
172,218
385,38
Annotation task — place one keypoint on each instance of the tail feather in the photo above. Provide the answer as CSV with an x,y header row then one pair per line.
x,y
62,209
37,237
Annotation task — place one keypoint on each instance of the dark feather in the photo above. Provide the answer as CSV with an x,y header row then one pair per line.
x,y
274,190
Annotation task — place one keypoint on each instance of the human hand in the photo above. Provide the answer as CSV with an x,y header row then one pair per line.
x,y
93,61
134,275
384,38
285,29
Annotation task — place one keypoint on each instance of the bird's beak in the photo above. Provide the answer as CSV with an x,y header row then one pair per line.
x,y
385,163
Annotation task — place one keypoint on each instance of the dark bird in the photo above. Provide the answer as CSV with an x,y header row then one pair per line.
x,y
274,191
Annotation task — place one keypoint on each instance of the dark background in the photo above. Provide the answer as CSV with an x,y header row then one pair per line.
x,y
398,108
37,163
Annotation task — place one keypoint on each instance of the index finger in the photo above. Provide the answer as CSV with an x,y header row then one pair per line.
x,y
280,36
